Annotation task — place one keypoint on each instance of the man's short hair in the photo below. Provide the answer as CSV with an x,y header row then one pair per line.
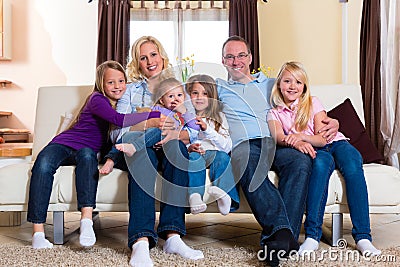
x,y
236,38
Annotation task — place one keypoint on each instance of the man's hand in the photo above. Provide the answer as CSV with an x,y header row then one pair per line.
x,y
330,129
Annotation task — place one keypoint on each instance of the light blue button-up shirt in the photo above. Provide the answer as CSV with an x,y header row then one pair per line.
x,y
246,107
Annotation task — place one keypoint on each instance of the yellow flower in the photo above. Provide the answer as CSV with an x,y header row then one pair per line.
x,y
186,67
266,70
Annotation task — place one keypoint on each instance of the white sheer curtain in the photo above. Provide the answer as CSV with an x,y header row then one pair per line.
x,y
390,72
169,10
184,28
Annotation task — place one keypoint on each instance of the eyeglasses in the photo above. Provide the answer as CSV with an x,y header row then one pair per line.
x,y
241,56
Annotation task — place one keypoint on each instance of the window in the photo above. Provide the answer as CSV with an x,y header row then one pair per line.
x,y
198,29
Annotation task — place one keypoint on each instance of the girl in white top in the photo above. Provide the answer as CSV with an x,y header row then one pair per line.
x,y
210,149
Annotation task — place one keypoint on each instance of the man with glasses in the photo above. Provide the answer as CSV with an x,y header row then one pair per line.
x,y
279,210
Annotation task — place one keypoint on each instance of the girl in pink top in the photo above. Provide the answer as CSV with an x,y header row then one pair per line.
x,y
295,121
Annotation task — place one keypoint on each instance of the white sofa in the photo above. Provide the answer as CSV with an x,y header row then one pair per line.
x,y
54,102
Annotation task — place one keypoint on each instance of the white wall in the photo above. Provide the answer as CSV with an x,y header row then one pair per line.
x,y
53,43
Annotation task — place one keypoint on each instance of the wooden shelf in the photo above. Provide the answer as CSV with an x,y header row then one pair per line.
x,y
15,137
15,149
5,113
3,83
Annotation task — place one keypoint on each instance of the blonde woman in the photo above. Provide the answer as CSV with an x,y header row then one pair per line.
x,y
150,63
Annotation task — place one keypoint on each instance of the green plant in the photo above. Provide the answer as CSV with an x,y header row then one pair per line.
x,y
186,67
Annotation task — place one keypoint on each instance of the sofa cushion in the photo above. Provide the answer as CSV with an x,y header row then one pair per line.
x,y
112,188
351,126
379,178
14,184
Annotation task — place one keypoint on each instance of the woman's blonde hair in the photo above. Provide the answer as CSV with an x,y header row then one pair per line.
x,y
304,108
99,83
214,108
133,67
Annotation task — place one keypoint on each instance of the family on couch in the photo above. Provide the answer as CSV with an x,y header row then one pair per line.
x,y
246,102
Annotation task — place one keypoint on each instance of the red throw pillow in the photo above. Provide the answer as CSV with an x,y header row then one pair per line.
x,y
351,126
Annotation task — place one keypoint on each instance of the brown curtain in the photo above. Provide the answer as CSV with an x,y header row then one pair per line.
x,y
113,31
370,77
243,21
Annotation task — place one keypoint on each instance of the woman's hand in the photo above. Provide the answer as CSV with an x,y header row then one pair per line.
x,y
163,123
168,135
196,148
166,123
150,123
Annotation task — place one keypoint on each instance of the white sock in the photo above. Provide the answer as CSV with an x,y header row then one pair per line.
x,y
308,246
175,245
140,256
196,204
39,241
223,199
366,248
87,238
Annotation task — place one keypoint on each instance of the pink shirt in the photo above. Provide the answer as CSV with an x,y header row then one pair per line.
x,y
286,117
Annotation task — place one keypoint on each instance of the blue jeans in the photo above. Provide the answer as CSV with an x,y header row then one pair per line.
x,y
293,168
343,156
173,160
46,164
251,161
220,174
140,140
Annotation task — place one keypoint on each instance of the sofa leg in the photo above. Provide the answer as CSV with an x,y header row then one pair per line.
x,y
337,228
58,221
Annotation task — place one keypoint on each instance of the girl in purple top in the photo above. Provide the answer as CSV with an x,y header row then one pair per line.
x,y
294,121
79,145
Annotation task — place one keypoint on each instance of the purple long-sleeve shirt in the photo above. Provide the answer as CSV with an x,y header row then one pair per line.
x,y
92,129
189,119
